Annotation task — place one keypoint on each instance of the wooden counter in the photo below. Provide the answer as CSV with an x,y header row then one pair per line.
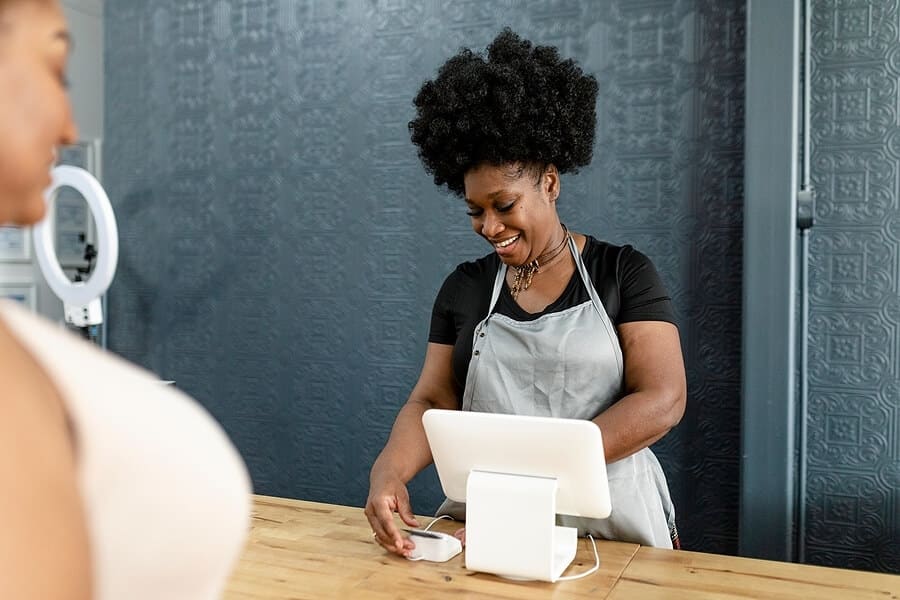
x,y
656,574
306,550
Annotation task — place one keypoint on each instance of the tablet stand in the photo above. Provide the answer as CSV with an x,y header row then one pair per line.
x,y
511,527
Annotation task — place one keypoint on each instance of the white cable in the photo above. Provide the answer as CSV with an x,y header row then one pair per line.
x,y
436,520
589,571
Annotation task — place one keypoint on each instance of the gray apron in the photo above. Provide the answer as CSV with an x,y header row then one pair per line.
x,y
568,364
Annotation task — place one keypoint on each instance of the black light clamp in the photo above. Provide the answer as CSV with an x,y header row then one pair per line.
x,y
806,209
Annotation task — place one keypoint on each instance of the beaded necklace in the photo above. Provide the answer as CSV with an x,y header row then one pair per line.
x,y
525,273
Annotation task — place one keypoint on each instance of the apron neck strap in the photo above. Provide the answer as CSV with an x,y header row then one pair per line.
x,y
499,281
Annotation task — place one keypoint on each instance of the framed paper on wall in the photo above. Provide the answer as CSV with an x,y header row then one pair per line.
x,y
19,292
73,225
15,244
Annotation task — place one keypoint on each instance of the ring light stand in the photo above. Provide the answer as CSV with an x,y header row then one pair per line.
x,y
81,299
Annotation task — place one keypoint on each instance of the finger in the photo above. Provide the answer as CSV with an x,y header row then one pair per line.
x,y
381,520
391,533
390,546
405,511
387,546
386,529
375,523
460,534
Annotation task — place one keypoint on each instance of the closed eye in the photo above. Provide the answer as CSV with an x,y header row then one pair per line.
x,y
476,211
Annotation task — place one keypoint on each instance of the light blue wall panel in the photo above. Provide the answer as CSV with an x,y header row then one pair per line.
x,y
853,504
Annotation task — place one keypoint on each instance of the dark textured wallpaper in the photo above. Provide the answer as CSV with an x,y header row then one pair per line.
x,y
282,246
854,404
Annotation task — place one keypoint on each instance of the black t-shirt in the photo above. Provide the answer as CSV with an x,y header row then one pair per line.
x,y
626,281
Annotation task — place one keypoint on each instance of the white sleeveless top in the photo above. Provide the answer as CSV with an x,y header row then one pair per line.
x,y
166,495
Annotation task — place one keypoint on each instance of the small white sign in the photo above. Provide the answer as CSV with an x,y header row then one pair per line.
x,y
15,244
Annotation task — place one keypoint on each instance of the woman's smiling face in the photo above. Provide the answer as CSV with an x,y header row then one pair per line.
x,y
514,209
35,114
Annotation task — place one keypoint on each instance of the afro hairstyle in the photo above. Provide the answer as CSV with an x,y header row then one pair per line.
x,y
519,103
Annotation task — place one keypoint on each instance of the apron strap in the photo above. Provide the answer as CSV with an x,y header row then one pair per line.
x,y
499,280
598,304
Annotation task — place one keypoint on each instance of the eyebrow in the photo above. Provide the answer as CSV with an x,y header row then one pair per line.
x,y
493,196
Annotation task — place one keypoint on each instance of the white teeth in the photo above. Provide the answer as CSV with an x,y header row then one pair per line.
x,y
506,243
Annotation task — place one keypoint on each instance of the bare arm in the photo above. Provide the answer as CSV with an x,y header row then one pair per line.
x,y
44,549
407,452
655,389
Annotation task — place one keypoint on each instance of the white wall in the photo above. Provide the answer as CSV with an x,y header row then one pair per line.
x,y
86,64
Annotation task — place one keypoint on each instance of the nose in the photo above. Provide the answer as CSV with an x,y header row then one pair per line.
x,y
491,226
69,133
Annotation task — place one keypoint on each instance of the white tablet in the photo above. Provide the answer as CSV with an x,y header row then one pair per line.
x,y
568,450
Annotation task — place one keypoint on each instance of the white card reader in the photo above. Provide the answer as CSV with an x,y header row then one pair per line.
x,y
433,546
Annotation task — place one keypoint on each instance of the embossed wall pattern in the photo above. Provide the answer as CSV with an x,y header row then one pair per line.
x,y
853,502
282,246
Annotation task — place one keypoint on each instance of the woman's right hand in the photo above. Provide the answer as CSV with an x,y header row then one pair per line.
x,y
407,451
388,495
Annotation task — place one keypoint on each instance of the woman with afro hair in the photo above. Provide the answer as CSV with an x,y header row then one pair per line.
x,y
579,328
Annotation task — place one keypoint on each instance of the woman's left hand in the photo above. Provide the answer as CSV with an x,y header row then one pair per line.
x,y
460,534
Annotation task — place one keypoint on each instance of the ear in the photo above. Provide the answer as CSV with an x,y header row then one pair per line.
x,y
550,183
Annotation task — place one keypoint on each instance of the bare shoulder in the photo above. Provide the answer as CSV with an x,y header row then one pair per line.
x,y
22,377
41,512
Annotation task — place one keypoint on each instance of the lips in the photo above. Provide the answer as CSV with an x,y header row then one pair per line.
x,y
505,243
506,247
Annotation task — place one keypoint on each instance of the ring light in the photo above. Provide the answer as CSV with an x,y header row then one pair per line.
x,y
79,295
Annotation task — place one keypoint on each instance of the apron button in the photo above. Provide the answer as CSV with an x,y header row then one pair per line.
x,y
476,353
481,334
